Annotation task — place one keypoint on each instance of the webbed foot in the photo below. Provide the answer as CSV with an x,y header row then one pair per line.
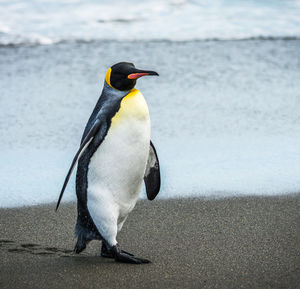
x,y
124,257
107,252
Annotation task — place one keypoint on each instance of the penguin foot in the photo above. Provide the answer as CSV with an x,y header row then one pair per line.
x,y
108,253
80,244
78,249
124,257
105,251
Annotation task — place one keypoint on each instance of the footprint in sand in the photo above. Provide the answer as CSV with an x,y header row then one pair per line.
x,y
35,249
4,242
16,250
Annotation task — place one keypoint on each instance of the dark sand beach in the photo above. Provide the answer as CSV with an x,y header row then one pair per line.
x,y
250,242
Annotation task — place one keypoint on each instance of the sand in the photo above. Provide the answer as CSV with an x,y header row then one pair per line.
x,y
250,242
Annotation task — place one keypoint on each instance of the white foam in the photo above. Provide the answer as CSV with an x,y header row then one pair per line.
x,y
198,167
231,166
48,22
31,177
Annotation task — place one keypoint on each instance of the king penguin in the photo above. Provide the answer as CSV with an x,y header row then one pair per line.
x,y
114,157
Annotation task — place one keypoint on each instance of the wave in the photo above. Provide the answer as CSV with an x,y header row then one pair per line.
x,y
37,42
37,22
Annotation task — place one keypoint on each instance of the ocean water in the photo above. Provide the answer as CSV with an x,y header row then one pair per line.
x,y
225,113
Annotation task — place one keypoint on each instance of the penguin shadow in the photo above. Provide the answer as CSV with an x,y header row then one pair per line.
x,y
33,249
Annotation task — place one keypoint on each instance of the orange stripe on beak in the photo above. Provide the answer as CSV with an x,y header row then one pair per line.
x,y
136,75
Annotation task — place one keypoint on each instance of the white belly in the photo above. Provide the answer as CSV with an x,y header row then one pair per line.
x,y
116,172
117,167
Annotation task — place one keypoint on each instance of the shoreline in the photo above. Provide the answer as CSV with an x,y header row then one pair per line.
x,y
249,242
203,198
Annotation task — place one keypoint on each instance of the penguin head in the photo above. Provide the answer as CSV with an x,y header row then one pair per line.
x,y
123,75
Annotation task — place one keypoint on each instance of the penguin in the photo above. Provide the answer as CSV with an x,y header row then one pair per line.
x,y
114,157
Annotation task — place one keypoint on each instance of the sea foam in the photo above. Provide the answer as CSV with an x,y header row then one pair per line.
x,y
195,168
42,22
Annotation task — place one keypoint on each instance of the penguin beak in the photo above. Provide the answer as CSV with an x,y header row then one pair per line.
x,y
141,73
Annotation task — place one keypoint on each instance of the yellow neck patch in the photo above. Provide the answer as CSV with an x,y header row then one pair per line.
x,y
107,77
133,105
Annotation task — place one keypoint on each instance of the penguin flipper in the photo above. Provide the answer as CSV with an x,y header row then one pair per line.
x,y
83,146
152,174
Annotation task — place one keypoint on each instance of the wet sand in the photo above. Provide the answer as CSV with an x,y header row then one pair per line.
x,y
251,242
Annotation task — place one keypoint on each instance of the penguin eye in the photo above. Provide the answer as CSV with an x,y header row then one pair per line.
x,y
119,75
120,81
